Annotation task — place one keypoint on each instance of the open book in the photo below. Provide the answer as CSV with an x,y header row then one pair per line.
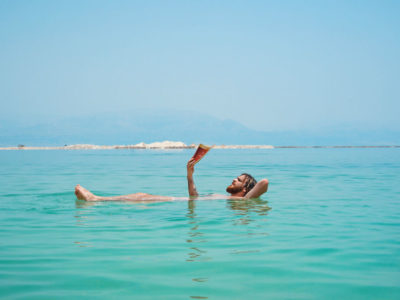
x,y
200,152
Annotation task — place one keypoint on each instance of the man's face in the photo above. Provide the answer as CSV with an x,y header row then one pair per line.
x,y
237,185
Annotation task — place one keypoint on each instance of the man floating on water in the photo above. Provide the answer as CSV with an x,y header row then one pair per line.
x,y
244,186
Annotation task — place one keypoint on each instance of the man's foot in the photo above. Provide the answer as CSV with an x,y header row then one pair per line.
x,y
83,194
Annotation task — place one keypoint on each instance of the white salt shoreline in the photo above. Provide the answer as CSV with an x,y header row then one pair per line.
x,y
157,145
175,145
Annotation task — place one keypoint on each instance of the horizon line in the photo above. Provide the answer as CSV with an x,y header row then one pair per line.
x,y
192,146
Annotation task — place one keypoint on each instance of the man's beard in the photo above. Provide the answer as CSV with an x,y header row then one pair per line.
x,y
233,190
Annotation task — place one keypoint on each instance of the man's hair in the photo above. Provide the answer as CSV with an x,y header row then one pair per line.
x,y
250,182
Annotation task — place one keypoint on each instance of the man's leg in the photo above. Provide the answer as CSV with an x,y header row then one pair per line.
x,y
84,194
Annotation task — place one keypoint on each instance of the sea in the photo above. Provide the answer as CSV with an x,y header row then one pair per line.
x,y
328,227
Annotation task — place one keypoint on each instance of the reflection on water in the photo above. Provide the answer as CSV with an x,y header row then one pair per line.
x,y
200,239
79,212
245,207
257,205
245,211
83,244
195,236
200,279
84,204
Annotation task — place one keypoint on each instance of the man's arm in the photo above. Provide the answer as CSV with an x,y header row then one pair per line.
x,y
191,186
260,188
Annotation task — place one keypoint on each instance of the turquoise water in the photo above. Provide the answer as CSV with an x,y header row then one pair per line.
x,y
328,228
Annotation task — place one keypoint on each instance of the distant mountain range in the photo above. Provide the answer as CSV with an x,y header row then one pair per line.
x,y
188,127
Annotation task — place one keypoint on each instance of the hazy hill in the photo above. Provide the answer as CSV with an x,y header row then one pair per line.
x,y
188,127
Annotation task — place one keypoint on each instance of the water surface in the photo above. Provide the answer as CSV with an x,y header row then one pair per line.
x,y
328,228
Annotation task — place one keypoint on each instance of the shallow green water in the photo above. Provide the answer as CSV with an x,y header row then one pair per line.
x,y
328,228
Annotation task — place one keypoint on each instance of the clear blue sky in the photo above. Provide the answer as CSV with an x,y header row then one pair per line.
x,y
268,64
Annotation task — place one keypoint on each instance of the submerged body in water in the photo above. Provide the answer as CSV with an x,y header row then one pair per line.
x,y
84,194
244,186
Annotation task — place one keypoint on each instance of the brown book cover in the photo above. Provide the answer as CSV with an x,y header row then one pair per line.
x,y
200,152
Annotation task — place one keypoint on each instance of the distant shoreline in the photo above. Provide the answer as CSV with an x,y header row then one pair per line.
x,y
179,145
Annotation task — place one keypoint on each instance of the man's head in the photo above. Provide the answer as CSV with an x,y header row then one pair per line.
x,y
241,185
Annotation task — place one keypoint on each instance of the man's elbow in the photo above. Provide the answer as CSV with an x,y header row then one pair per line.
x,y
264,184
